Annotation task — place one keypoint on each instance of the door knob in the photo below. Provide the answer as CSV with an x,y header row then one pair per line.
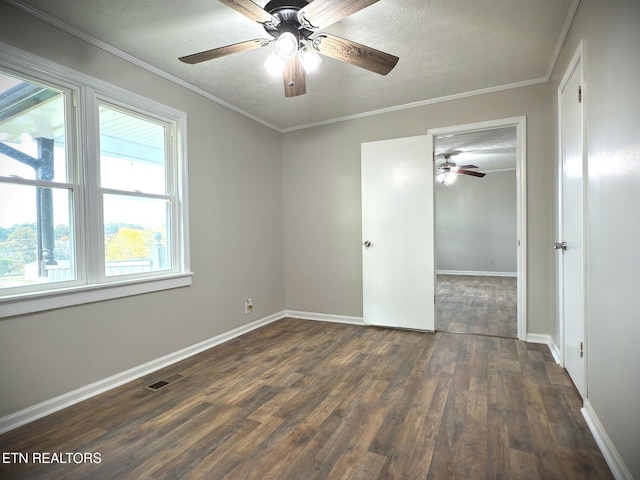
x,y
560,246
367,244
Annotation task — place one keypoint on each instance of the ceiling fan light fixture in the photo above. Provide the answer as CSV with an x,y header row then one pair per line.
x,y
274,64
310,60
446,178
287,44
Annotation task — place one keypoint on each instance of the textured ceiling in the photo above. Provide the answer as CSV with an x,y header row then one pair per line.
x,y
446,48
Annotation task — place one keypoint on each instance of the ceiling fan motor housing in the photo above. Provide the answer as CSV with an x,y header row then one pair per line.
x,y
287,12
274,5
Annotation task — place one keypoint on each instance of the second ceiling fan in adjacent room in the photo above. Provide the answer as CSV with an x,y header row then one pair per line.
x,y
448,171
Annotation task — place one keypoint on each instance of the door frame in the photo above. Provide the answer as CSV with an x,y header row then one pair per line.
x,y
520,123
576,60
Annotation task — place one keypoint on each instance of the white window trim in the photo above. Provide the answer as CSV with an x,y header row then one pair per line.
x,y
87,91
68,297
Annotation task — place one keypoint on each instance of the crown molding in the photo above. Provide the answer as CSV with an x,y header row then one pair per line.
x,y
563,36
421,103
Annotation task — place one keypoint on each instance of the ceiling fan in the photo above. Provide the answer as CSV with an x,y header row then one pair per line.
x,y
448,171
294,27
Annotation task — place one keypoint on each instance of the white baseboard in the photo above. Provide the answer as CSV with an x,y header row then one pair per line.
x,y
476,273
29,414
323,317
609,452
555,351
538,338
548,341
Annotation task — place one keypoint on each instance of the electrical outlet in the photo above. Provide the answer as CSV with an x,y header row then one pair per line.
x,y
248,306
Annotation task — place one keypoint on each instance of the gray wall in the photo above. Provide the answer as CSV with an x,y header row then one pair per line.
x,y
321,191
611,31
476,223
235,190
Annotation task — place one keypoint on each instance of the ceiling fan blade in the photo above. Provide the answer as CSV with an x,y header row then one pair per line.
x,y
322,13
354,53
295,80
224,51
468,166
469,172
251,11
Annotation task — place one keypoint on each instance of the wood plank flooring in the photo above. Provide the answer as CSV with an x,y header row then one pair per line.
x,y
478,305
311,400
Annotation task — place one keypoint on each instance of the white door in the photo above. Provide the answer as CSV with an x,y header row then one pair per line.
x,y
397,233
572,228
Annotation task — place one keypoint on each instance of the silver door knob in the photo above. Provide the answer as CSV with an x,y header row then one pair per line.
x,y
560,246
367,244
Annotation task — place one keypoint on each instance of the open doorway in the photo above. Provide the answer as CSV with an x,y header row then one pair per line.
x,y
479,227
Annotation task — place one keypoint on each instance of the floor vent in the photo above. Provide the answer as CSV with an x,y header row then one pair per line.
x,y
154,387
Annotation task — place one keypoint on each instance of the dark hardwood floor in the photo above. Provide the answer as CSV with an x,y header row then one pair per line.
x,y
310,400
478,305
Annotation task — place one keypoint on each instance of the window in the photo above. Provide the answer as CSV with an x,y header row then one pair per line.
x,y
92,188
36,238
136,199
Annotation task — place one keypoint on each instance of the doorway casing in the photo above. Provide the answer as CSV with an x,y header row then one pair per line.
x,y
521,200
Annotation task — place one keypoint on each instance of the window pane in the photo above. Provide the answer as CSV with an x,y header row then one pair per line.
x,y
35,248
132,155
135,235
32,131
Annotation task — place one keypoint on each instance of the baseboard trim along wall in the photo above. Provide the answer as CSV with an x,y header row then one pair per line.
x,y
30,414
476,273
555,351
609,452
323,317
547,340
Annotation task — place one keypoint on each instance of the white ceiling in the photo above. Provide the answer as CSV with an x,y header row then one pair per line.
x,y
447,48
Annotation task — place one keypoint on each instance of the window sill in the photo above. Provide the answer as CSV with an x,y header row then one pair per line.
x,y
68,297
